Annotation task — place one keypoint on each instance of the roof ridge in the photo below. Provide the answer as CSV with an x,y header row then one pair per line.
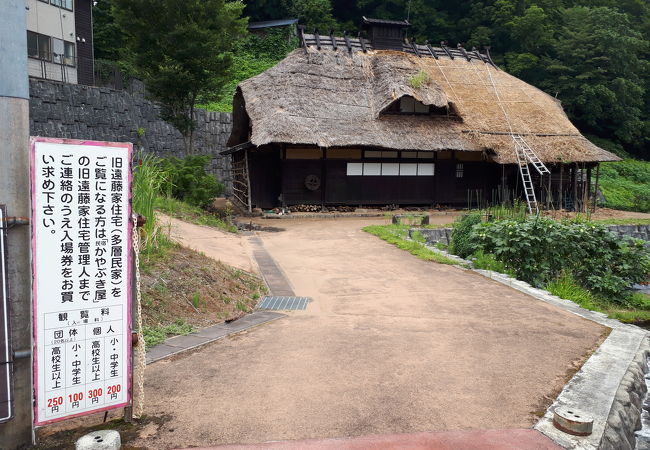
x,y
360,43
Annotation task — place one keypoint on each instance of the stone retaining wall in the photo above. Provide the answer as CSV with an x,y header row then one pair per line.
x,y
442,235
625,415
76,111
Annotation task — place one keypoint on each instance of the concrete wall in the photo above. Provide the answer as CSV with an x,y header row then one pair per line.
x,y
103,114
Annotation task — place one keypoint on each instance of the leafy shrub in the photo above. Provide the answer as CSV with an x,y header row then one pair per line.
x,y
460,235
540,250
188,181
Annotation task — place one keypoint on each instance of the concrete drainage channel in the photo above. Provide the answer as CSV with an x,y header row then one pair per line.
x,y
609,396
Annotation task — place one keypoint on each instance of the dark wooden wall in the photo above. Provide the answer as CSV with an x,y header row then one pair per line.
x,y
273,177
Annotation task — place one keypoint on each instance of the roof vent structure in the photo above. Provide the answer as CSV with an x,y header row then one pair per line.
x,y
386,34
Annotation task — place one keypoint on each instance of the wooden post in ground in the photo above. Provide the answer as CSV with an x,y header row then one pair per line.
x,y
561,187
596,187
574,183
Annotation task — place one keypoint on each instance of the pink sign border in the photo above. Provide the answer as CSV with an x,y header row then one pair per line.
x,y
32,142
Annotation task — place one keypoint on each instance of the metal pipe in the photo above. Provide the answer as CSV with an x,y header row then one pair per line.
x,y
14,192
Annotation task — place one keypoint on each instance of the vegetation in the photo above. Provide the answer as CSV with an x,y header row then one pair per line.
x,y
154,335
182,50
188,181
183,290
626,185
397,235
192,214
252,55
419,80
148,179
578,260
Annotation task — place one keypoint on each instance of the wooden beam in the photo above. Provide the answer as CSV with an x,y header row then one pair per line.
x,y
444,47
363,44
333,39
414,46
317,36
347,41
431,50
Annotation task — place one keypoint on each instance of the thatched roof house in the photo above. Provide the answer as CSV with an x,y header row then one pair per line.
x,y
343,100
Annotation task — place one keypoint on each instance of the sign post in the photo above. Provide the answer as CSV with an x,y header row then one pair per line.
x,y
81,247
6,391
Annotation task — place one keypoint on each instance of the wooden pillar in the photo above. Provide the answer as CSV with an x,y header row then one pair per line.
x,y
561,186
323,179
574,185
248,181
596,187
549,192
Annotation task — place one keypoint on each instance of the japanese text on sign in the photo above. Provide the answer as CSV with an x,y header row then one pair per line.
x,y
81,257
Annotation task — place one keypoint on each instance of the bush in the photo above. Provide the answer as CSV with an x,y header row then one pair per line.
x,y
540,250
461,244
188,181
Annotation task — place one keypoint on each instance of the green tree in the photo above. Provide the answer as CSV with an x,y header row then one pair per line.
x,y
181,49
313,14
108,39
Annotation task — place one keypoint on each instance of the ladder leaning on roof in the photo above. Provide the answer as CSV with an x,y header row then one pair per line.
x,y
526,155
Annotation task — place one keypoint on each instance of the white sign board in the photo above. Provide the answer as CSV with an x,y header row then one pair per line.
x,y
81,255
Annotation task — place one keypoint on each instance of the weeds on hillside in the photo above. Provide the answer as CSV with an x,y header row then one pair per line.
x,y
154,335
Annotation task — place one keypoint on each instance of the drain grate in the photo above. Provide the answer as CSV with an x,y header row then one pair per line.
x,y
283,303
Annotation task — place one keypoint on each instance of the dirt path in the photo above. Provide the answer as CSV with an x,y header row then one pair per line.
x,y
390,344
229,248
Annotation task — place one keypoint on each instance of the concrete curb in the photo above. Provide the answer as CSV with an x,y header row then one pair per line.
x,y
179,344
610,386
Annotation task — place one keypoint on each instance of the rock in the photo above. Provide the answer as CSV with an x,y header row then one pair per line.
x,y
99,440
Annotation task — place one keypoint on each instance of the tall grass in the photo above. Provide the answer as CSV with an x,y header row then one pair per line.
x,y
148,180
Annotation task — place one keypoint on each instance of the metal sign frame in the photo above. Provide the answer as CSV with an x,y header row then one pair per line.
x,y
6,356
65,391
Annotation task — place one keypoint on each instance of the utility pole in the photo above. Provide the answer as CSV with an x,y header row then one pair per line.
x,y
15,193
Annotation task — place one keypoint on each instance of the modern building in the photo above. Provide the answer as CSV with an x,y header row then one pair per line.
x,y
381,120
60,40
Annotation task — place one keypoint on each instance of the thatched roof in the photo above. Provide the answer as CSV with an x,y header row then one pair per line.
x,y
335,98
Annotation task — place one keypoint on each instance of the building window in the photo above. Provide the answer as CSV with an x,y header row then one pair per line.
x,y
66,4
69,54
459,170
32,44
391,169
39,46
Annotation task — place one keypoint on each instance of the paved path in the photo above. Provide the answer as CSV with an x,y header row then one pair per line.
x,y
390,344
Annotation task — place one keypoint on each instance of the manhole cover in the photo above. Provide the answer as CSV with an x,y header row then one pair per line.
x,y
283,303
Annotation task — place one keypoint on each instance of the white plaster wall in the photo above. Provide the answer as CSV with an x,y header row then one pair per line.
x,y
50,20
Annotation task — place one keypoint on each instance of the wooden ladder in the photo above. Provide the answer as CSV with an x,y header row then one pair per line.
x,y
526,155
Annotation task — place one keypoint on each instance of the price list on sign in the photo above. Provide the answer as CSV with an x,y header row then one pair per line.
x,y
81,209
